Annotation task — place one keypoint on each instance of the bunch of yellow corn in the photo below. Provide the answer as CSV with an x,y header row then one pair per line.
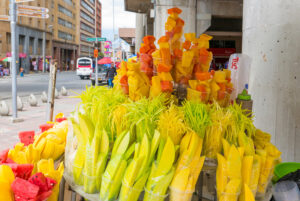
x,y
188,168
50,144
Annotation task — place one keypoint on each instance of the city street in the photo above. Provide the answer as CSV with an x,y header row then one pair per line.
x,y
37,83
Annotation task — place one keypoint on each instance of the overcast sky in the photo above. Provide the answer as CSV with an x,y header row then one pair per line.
x,y
123,19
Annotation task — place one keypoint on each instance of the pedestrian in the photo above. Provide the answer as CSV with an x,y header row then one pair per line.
x,y
110,74
35,68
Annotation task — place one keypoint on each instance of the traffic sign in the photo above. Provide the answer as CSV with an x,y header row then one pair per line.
x,y
22,1
96,53
33,14
4,18
25,8
96,39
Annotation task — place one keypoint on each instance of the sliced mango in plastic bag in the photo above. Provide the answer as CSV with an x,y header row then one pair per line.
x,y
247,194
255,172
193,95
221,175
232,190
247,169
234,163
187,58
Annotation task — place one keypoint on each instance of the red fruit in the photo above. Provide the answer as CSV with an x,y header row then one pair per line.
x,y
24,171
146,58
166,86
24,190
60,119
149,40
26,137
50,183
3,156
40,180
201,88
44,196
45,127
187,45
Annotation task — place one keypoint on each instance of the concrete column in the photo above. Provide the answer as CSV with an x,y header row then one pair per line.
x,y
271,31
26,61
188,14
139,31
203,18
35,46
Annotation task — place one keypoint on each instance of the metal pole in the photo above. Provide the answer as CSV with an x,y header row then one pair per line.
x,y
44,51
114,33
96,66
13,14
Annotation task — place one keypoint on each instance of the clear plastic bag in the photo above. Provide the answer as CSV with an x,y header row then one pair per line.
x,y
239,65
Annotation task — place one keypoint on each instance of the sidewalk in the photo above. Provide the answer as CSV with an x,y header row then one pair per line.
x,y
33,117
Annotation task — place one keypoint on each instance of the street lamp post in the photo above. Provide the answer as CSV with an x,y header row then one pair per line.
x,y
13,14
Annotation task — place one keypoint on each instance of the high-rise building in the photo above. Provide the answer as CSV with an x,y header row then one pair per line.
x,y
69,24
29,37
63,15
86,28
98,19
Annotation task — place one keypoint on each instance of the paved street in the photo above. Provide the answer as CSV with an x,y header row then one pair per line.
x,y
33,117
37,83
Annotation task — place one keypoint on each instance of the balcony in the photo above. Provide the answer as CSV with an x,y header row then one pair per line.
x,y
141,6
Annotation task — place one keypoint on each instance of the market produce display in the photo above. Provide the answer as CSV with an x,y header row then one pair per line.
x,y
174,66
28,171
120,148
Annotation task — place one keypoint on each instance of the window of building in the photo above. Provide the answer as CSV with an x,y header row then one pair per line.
x,y
65,23
87,7
85,16
69,2
65,11
8,38
92,1
65,36
83,37
222,44
87,28
84,48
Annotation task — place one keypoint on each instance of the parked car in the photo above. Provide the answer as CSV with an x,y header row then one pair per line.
x,y
84,67
102,70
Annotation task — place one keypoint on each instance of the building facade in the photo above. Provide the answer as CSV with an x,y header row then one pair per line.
x,y
98,19
86,14
29,38
63,15
70,22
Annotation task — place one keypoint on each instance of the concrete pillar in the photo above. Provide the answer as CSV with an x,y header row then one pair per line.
x,y
35,46
139,31
203,18
26,64
271,31
188,14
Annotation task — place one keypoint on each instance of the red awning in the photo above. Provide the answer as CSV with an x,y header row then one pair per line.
x,y
105,60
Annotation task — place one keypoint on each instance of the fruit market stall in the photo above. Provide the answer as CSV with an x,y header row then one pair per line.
x,y
168,120
33,169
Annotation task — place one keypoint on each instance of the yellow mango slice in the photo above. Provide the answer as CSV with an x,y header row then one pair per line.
x,y
234,164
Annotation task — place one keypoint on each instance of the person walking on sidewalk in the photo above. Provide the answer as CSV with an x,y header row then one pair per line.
x,y
110,74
